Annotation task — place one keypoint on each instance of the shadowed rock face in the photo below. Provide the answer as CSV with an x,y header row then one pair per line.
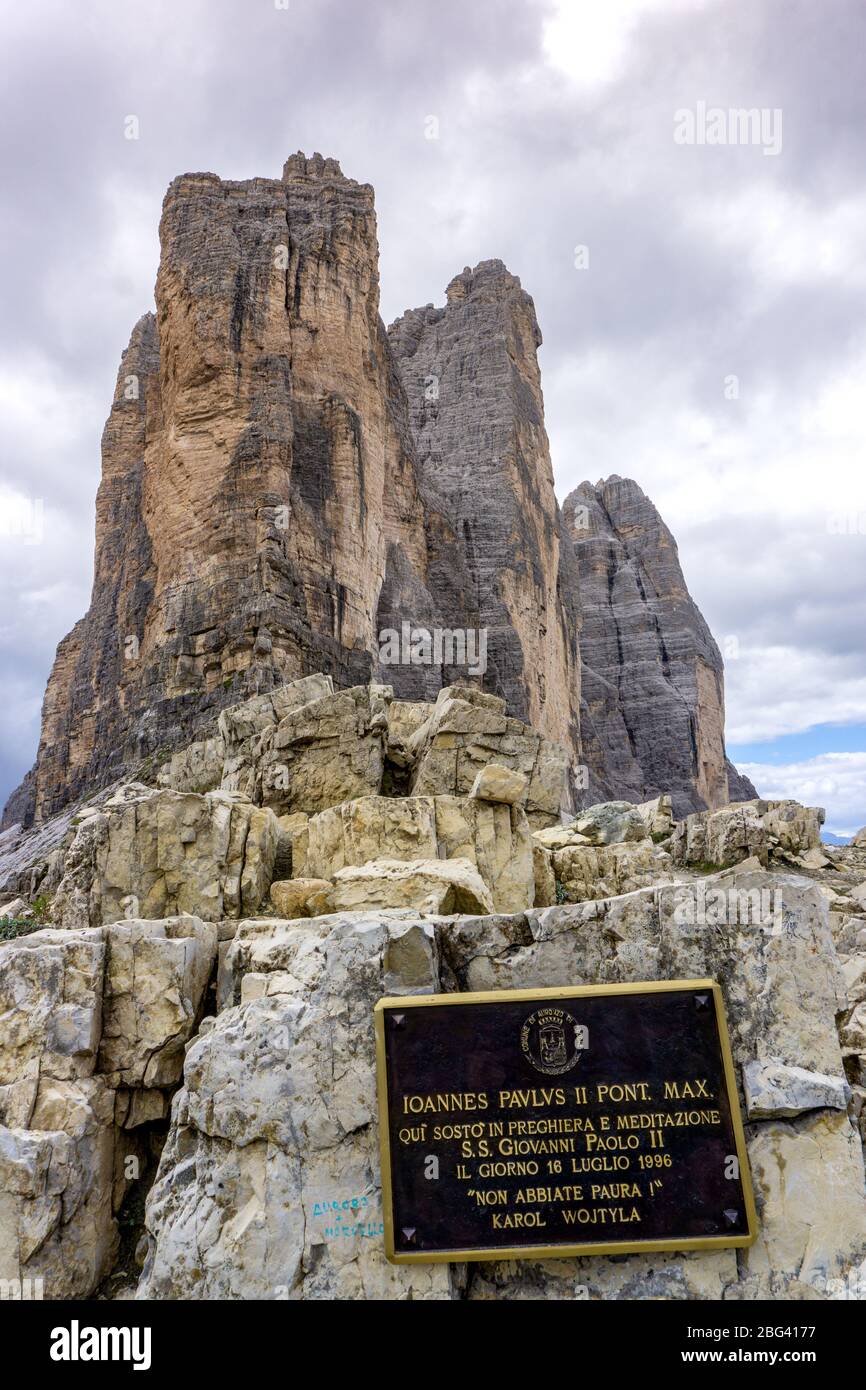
x,y
262,514
474,390
652,690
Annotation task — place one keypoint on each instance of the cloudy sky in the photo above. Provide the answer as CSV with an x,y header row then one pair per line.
x,y
703,304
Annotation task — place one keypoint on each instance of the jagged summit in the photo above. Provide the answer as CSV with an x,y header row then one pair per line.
x,y
314,166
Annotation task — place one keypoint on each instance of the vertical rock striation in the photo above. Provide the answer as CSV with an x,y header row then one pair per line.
x,y
258,479
653,713
474,390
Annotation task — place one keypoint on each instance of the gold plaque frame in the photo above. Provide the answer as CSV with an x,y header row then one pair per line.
x,y
560,1251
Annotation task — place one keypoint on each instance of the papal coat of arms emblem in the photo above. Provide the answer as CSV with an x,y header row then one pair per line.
x,y
552,1041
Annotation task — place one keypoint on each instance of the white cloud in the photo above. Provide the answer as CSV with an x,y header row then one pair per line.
x,y
834,780
773,691
591,43
784,237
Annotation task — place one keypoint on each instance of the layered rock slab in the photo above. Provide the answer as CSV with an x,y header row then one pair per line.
x,y
268,1186
92,1029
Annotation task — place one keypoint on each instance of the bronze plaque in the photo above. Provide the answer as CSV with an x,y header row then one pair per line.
x,y
531,1123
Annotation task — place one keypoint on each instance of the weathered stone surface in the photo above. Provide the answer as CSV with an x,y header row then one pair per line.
x,y
761,828
652,691
471,375
155,977
25,854
587,871
196,768
860,838
496,839
609,823
809,1176
299,897
658,816
18,908
704,1275
774,1091
272,1140
497,783
405,718
51,986
258,1115
493,837
783,988
56,1218
468,729
545,878
371,827
160,853
325,752
428,885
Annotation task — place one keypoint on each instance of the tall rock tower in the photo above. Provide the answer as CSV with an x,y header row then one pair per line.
x,y
653,715
263,514
474,389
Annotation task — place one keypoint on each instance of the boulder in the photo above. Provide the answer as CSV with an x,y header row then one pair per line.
x,y
809,1177
51,985
611,822
495,839
56,1181
17,908
466,730
658,816
371,827
762,828
300,897
774,1091
586,871
497,783
428,885
196,768
323,753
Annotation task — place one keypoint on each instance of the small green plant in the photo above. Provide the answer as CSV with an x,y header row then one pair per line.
x,y
12,927
561,895
42,909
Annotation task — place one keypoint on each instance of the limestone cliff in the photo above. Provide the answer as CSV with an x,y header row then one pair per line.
x,y
653,713
474,388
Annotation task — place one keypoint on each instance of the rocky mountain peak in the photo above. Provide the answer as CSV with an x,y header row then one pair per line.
x,y
300,166
283,481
